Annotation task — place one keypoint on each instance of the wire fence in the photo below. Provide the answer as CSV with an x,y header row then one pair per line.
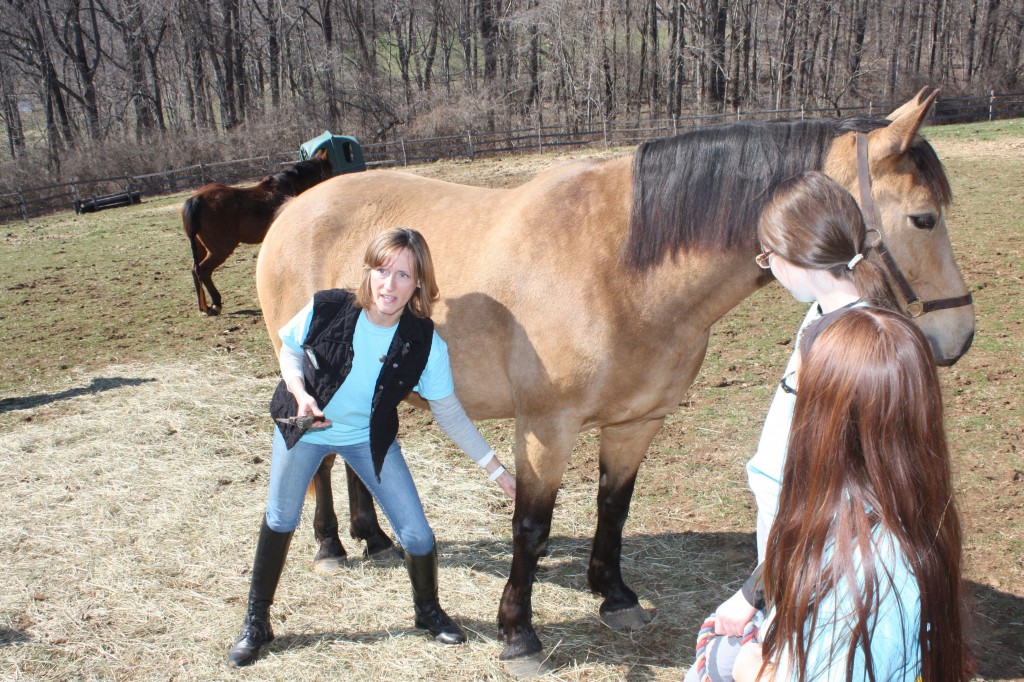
x,y
30,202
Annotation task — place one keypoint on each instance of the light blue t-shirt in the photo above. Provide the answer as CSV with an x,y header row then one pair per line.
x,y
764,470
893,628
349,408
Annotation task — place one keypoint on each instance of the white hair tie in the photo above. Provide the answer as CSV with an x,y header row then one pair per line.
x,y
853,261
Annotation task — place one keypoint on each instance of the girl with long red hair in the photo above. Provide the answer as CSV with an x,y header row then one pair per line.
x,y
863,562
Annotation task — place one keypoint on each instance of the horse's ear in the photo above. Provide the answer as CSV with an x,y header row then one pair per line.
x,y
907,106
906,120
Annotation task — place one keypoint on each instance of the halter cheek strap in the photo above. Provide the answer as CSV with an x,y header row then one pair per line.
x,y
915,307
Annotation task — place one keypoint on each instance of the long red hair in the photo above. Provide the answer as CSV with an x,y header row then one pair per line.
x,y
867,449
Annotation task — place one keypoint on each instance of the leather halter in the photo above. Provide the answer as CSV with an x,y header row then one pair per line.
x,y
914,306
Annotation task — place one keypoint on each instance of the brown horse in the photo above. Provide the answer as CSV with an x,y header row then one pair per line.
x,y
217,218
584,298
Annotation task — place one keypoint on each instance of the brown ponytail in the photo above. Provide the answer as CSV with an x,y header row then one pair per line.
x,y
813,222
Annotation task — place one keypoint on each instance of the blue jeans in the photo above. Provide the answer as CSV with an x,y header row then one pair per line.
x,y
291,472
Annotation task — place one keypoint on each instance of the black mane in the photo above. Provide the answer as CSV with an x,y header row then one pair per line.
x,y
301,176
705,189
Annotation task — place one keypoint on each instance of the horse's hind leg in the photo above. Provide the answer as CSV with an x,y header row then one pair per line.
x,y
331,555
200,294
363,523
204,273
622,449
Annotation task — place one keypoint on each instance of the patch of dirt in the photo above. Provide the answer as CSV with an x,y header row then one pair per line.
x,y
999,149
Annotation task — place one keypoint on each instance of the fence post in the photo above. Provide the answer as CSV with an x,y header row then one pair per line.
x,y
675,126
202,173
405,158
469,138
869,110
604,131
991,104
540,144
24,205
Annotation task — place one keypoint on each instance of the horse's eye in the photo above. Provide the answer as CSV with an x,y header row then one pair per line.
x,y
924,221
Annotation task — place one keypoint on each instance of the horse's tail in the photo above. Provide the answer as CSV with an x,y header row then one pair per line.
x,y
190,221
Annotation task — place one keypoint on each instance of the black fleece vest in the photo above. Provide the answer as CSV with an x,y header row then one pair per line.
x,y
327,361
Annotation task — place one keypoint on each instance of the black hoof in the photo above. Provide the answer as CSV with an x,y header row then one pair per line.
x,y
387,556
521,645
528,667
623,620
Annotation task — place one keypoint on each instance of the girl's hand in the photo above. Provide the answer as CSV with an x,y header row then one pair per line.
x,y
732,616
508,483
748,665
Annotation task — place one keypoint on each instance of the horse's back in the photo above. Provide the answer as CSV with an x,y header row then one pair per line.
x,y
480,238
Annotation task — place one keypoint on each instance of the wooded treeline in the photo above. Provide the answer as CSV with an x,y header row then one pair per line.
x,y
181,79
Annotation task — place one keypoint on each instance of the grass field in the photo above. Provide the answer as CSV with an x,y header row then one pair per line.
x,y
134,454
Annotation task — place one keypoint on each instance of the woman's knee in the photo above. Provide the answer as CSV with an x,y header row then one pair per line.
x,y
416,542
281,521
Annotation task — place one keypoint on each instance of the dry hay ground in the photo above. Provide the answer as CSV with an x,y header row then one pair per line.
x,y
133,469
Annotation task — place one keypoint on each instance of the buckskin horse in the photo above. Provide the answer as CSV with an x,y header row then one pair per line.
x,y
217,218
584,298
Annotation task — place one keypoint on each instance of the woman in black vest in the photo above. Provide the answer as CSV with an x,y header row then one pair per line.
x,y
347,360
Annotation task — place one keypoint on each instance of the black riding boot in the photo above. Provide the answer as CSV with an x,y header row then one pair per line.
x,y
429,614
271,550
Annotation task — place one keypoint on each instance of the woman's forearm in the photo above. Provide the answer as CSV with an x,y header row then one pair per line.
x,y
454,421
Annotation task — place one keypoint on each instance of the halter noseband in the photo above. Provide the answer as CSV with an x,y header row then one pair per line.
x,y
915,307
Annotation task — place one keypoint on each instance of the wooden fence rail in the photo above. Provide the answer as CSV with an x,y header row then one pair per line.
x,y
29,202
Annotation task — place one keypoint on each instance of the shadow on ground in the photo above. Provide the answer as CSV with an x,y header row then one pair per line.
x,y
685,576
13,636
97,385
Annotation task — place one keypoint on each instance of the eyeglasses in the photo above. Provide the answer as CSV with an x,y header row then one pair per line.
x,y
762,259
787,386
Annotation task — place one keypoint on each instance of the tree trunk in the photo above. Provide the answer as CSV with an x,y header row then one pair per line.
x,y
431,52
487,18
71,37
655,89
534,97
895,49
719,14
132,32
273,23
11,114
860,25
988,43
677,38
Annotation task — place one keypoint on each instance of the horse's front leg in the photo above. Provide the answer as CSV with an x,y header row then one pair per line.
x,y
331,555
622,450
363,523
542,449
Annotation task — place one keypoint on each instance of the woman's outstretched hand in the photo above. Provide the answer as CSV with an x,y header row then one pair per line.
x,y
508,483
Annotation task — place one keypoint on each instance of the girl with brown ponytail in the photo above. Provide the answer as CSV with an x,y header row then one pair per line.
x,y
814,241
863,563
